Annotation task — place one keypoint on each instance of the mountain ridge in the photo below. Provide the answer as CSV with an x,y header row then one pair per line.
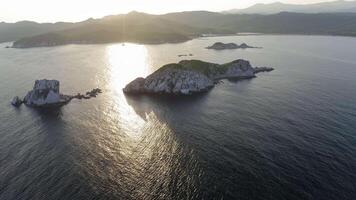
x,y
139,27
277,7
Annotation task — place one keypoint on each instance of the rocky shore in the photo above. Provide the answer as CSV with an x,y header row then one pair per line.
x,y
45,93
223,46
191,76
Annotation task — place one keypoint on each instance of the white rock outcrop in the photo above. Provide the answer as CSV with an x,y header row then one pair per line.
x,y
45,93
171,81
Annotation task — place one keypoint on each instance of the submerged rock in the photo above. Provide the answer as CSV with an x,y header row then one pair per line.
x,y
189,77
223,46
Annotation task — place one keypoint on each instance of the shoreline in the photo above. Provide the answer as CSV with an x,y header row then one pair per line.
x,y
180,42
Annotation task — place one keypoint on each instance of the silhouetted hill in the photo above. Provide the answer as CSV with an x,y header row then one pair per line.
x,y
133,27
14,31
177,27
281,23
277,7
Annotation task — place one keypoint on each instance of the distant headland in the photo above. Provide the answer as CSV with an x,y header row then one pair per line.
x,y
223,46
145,28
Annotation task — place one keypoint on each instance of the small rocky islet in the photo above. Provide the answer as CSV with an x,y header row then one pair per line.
x,y
223,46
191,76
45,93
184,78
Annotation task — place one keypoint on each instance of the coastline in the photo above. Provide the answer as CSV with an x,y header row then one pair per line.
x,y
181,41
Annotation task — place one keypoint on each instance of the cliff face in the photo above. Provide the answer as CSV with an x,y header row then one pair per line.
x,y
171,81
45,93
189,77
236,69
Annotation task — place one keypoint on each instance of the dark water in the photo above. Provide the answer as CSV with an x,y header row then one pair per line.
x,y
288,134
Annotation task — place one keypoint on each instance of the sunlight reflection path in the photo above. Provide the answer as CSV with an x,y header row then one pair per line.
x,y
153,157
126,62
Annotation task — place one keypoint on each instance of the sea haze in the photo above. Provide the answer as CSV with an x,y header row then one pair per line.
x,y
287,134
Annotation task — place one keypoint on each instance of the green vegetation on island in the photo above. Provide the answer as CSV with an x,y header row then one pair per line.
x,y
191,76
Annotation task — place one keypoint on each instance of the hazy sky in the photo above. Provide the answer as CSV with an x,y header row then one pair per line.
x,y
77,10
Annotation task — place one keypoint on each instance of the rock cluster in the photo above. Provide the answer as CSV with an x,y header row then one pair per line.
x,y
88,95
223,46
45,93
190,76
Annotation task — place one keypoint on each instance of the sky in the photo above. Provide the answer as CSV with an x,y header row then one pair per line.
x,y
79,10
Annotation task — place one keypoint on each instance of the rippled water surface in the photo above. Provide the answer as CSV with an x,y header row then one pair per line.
x,y
288,134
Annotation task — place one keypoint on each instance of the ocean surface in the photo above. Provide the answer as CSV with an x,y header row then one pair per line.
x,y
287,134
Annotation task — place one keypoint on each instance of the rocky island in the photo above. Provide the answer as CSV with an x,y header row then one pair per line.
x,y
191,76
45,93
223,46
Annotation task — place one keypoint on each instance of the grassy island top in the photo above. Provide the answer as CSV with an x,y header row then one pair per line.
x,y
206,68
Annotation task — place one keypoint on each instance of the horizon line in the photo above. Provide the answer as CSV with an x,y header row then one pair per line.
x,y
163,13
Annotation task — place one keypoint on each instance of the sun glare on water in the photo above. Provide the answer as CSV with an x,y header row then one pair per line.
x,y
129,134
143,129
127,62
